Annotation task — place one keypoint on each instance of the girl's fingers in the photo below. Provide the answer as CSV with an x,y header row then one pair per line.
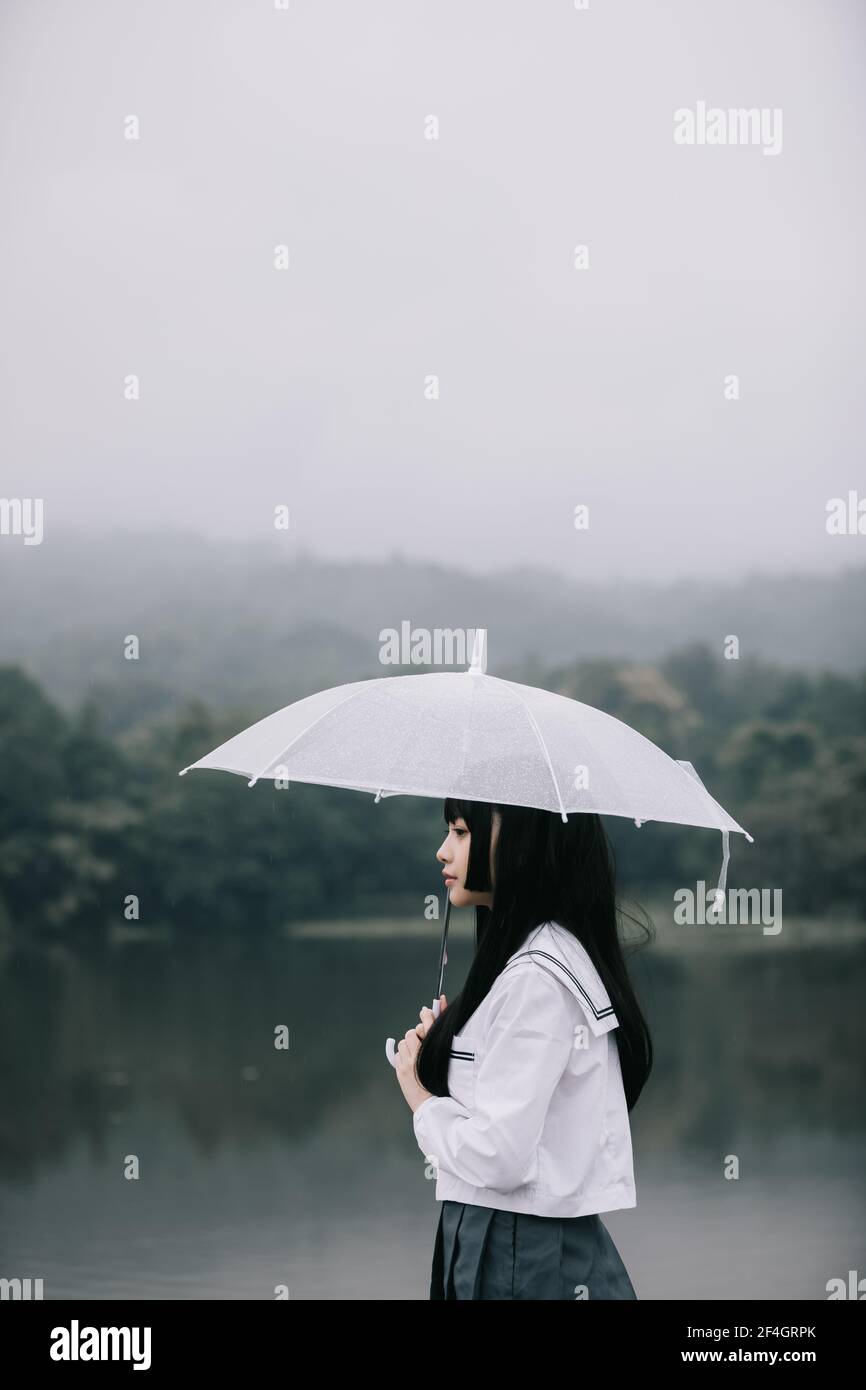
x,y
427,1018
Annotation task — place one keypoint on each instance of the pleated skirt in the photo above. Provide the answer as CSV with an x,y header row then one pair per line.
x,y
486,1253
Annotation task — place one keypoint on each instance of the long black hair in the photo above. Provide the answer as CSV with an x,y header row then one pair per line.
x,y
545,870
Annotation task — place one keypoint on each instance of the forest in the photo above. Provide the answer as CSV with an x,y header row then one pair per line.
x,y
97,828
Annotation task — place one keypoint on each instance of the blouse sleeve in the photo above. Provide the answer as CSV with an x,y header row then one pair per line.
x,y
526,1047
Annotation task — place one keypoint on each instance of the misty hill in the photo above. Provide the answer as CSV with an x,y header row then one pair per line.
x,y
260,624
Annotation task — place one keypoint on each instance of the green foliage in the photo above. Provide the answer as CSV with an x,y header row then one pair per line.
x,y
92,809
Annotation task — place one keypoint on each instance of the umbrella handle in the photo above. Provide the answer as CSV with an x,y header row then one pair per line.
x,y
391,1047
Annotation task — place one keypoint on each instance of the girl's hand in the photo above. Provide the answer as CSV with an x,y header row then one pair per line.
x,y
407,1053
427,1018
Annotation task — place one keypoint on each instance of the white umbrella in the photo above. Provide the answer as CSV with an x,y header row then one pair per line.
x,y
476,737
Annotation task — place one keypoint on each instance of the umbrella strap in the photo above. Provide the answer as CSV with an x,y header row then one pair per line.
x,y
719,900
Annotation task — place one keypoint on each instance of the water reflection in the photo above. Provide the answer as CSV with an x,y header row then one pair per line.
x,y
261,1167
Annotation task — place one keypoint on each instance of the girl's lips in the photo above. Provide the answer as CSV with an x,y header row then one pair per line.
x,y
450,880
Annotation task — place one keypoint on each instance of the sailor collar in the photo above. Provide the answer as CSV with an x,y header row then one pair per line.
x,y
554,948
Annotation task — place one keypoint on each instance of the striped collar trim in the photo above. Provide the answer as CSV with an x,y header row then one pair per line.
x,y
599,1010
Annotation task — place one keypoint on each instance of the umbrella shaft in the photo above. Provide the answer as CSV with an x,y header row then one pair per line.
x,y
442,947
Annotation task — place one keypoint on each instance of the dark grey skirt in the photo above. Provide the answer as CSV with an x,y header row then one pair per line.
x,y
483,1252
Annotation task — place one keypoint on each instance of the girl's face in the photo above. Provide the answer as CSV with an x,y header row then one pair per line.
x,y
453,855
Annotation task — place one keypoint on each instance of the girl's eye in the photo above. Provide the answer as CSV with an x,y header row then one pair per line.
x,y
458,831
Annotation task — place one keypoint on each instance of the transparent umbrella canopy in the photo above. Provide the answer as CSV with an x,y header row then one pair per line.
x,y
477,737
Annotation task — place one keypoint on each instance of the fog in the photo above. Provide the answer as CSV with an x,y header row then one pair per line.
x,y
161,368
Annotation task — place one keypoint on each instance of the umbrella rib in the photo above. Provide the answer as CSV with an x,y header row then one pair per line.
x,y
538,734
465,739
283,751
617,783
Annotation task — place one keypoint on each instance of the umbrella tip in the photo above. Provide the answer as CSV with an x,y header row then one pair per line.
x,y
253,782
184,771
478,666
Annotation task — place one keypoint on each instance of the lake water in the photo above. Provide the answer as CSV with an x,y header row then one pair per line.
x,y
261,1167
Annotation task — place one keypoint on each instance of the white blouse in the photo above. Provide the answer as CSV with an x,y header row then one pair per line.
x,y
537,1118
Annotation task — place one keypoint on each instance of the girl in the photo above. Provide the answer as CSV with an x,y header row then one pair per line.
x,y
520,1089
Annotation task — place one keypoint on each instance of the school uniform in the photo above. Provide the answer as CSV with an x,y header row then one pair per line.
x,y
533,1141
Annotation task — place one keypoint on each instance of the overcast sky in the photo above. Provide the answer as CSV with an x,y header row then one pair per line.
x,y
454,257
